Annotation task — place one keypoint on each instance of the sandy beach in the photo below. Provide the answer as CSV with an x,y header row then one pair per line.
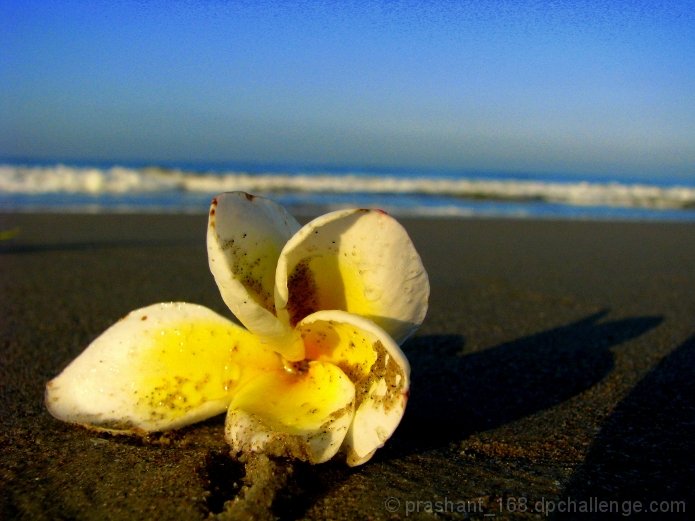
x,y
553,375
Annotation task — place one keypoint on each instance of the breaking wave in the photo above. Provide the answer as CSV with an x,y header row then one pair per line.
x,y
19,180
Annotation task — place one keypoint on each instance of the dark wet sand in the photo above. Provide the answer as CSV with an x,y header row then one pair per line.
x,y
556,365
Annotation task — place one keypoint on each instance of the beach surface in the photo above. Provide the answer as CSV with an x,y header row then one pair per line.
x,y
554,374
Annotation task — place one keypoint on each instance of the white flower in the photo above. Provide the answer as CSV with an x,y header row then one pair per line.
x,y
317,368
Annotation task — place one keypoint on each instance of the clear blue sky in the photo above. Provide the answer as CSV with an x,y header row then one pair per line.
x,y
564,86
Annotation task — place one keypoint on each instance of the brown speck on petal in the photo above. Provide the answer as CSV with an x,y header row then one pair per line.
x,y
144,317
302,293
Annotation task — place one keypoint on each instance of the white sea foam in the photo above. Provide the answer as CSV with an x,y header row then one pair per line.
x,y
117,180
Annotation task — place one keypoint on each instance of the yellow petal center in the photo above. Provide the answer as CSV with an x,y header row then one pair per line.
x,y
330,281
297,399
194,363
343,344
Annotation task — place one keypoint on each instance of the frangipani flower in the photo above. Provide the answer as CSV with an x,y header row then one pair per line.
x,y
317,368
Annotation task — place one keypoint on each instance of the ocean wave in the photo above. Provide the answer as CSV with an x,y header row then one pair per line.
x,y
117,180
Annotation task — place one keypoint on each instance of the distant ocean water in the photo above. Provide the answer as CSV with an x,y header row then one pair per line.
x,y
188,188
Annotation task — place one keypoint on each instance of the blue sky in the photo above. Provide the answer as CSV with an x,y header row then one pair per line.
x,y
602,88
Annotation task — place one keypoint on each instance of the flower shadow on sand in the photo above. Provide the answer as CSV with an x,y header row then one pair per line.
x,y
644,452
457,394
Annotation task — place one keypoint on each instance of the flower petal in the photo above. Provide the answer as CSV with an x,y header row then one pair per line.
x,y
302,412
245,236
374,363
161,367
361,261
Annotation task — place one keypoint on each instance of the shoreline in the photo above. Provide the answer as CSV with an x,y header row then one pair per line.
x,y
555,362
463,208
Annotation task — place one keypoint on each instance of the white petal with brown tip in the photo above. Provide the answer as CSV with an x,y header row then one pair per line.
x,y
245,236
360,261
376,366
